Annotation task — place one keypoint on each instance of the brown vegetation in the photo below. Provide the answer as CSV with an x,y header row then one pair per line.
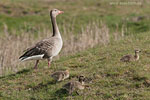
x,y
12,46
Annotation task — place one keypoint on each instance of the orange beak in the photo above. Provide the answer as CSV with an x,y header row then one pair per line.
x,y
60,12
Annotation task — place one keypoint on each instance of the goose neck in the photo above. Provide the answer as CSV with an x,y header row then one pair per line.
x,y
55,27
136,56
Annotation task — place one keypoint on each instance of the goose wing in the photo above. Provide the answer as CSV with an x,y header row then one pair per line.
x,y
41,48
126,58
57,75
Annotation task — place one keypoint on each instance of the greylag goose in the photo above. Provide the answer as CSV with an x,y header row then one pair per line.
x,y
128,58
74,85
47,48
60,75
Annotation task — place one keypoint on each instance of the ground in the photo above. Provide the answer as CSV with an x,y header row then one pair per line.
x,y
108,78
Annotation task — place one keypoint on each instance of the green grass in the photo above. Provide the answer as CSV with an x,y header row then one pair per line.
x,y
77,14
110,78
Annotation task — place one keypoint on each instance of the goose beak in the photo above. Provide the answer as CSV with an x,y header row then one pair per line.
x,y
60,12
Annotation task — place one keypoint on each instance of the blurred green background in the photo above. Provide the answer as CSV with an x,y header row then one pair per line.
x,y
32,15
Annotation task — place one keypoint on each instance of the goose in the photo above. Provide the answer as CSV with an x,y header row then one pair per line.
x,y
47,48
74,85
60,75
128,58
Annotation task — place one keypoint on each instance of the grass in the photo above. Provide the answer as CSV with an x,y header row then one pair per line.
x,y
24,21
88,38
17,12
109,78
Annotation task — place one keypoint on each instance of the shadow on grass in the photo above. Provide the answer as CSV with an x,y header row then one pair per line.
x,y
59,94
11,76
63,94
40,86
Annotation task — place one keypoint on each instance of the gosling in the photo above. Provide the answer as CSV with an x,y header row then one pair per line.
x,y
60,75
128,58
75,85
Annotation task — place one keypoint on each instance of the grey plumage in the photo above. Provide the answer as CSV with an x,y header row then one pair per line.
x,y
47,48
128,58
75,85
60,75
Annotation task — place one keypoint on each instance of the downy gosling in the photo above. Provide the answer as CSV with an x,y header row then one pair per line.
x,y
128,58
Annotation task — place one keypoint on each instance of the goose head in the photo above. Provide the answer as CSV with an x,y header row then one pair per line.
x,y
137,51
81,79
67,71
55,12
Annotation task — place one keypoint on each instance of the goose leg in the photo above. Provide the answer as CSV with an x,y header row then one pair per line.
x,y
70,92
35,67
49,62
77,93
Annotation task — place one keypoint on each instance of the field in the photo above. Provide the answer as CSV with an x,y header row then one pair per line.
x,y
98,38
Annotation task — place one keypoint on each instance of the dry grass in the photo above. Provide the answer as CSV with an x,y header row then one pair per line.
x,y
90,36
13,45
